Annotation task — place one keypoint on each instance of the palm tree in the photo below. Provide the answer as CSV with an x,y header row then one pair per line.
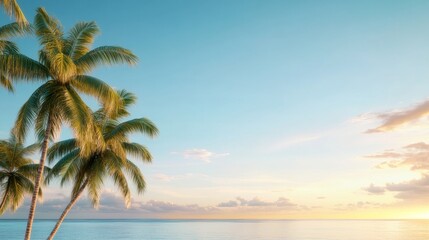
x,y
7,47
12,9
64,62
108,158
17,172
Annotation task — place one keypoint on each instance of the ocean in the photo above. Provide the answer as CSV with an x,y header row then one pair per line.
x,y
223,229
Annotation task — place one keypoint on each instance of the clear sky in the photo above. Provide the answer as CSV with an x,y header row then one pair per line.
x,y
267,109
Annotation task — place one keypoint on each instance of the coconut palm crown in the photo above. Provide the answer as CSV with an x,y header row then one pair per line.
x,y
63,67
109,157
17,173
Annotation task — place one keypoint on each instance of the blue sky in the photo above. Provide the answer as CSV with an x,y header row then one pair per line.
x,y
264,100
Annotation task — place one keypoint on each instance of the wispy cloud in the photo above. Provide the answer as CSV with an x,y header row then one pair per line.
x,y
112,206
372,189
257,202
358,205
200,154
416,190
363,118
395,119
415,156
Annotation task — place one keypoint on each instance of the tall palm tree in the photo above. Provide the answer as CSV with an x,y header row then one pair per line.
x,y
64,62
12,9
7,47
108,158
17,172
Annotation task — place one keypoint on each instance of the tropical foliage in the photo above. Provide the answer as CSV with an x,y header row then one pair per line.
x,y
101,147
10,48
17,173
12,8
109,157
64,62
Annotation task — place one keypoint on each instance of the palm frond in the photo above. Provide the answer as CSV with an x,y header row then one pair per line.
x,y
12,9
8,47
80,119
18,66
49,31
49,111
6,83
29,111
95,182
137,150
30,170
67,167
106,55
61,148
80,38
121,182
99,89
142,125
127,99
82,177
62,67
14,30
136,175
30,149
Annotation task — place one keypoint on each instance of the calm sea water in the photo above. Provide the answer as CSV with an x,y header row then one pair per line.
x,y
231,230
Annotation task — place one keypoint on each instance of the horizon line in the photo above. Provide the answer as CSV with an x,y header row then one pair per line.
x,y
227,219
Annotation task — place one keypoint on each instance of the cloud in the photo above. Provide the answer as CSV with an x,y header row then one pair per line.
x,y
231,203
200,154
372,189
363,118
256,202
358,205
393,120
112,206
153,206
415,156
414,190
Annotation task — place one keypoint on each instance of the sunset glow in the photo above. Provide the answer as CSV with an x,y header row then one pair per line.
x,y
266,109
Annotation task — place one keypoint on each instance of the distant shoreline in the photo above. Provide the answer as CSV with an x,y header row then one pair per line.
x,y
203,220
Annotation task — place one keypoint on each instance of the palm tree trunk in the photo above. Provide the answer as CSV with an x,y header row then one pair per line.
x,y
37,181
67,209
3,201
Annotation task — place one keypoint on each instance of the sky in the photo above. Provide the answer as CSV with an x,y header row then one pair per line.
x,y
266,109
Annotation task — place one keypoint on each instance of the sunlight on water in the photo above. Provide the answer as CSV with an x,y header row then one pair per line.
x,y
232,230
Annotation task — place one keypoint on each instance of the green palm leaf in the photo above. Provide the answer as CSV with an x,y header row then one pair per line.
x,y
14,30
17,172
80,38
18,66
100,90
106,55
137,150
6,83
142,125
8,47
